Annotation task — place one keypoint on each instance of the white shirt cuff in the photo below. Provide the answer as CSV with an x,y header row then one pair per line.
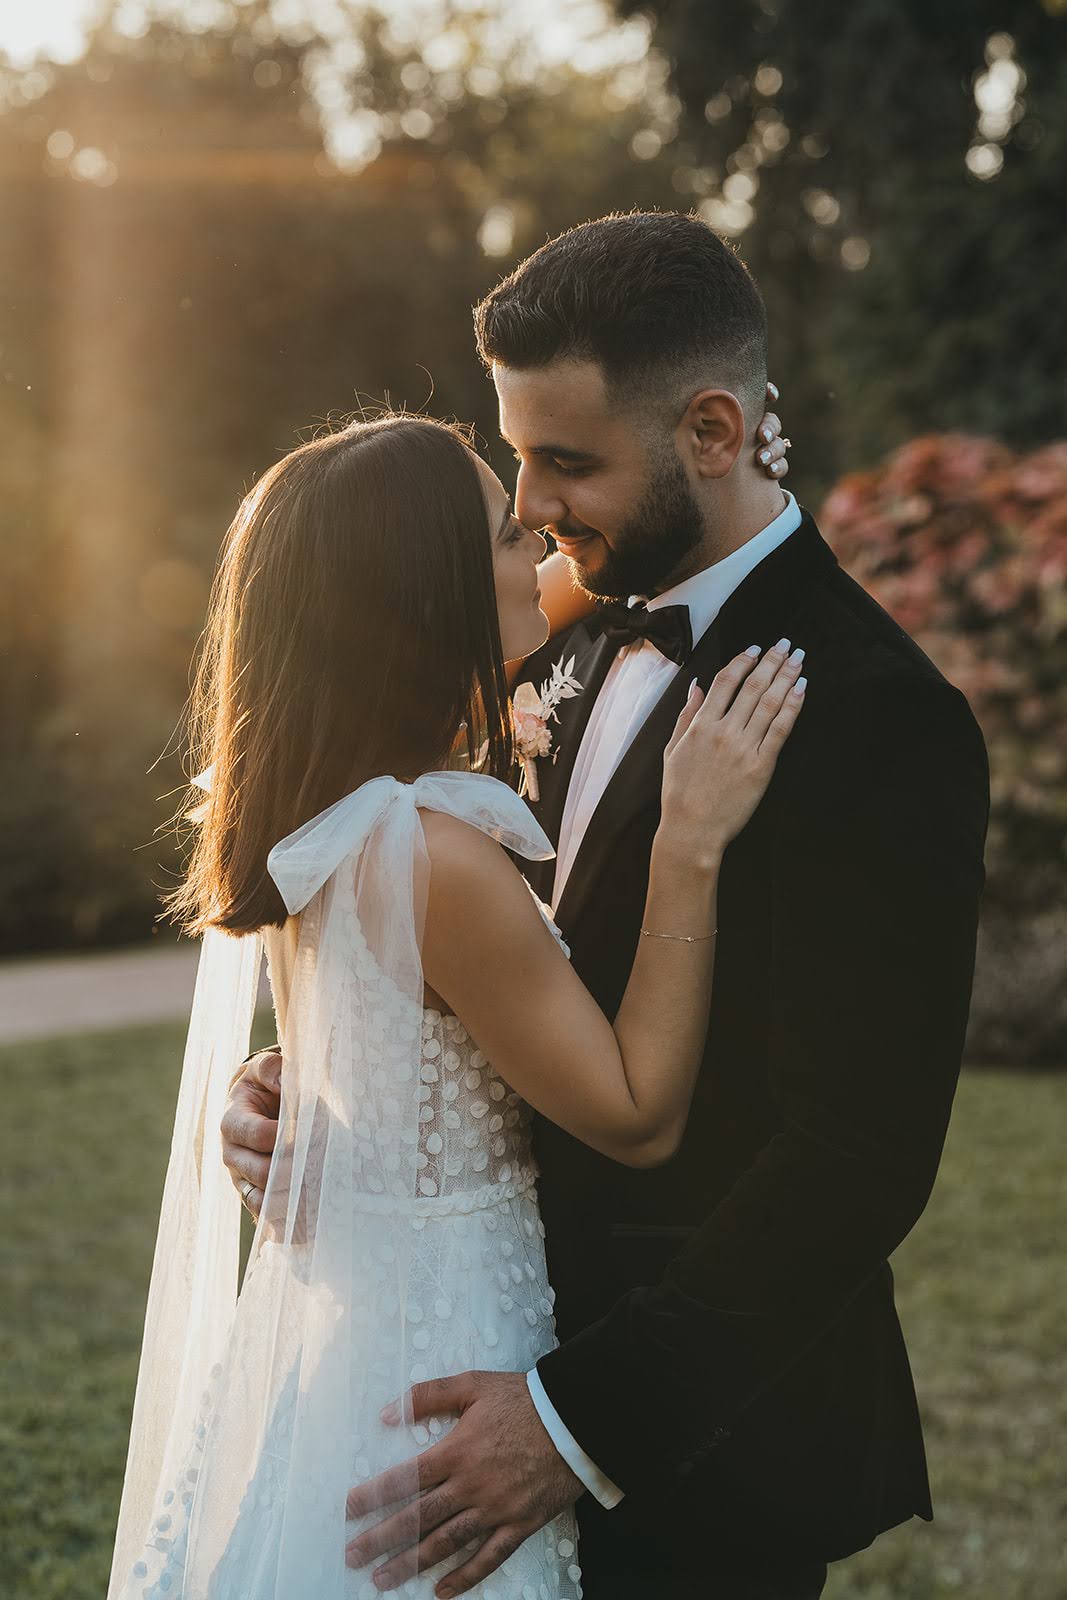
x,y
598,1483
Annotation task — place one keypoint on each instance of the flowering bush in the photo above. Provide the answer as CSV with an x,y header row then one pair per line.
x,y
964,542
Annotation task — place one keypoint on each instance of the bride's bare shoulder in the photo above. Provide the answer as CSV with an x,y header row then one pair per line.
x,y
483,933
466,863
455,845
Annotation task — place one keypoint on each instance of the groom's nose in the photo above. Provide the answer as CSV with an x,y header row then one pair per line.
x,y
537,504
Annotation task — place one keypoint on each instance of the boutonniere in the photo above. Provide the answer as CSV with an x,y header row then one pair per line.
x,y
531,715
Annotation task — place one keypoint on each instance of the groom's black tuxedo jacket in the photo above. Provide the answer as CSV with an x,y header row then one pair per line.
x,y
731,1354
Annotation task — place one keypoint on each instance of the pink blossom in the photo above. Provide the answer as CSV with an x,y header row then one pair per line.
x,y
964,542
533,737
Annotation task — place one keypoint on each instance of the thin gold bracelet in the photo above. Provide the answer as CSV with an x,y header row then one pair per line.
x,y
682,938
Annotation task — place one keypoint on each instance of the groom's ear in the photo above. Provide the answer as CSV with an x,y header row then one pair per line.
x,y
712,433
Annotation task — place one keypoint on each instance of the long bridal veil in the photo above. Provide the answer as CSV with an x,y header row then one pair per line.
x,y
254,1417
194,1274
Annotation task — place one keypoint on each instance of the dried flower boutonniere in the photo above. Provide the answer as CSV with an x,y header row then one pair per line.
x,y
532,713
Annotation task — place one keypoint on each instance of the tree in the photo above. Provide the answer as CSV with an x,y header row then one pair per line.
x,y
891,174
190,282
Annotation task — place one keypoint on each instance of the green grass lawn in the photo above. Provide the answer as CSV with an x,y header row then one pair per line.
x,y
981,1287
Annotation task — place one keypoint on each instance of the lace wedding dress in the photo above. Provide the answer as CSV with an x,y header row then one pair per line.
x,y
400,1236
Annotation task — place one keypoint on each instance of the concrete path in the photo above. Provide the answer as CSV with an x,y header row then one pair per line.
x,y
87,993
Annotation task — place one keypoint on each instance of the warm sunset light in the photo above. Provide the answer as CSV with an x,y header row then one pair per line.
x,y
533,590
560,29
53,28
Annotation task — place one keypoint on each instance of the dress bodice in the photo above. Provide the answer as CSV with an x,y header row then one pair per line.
x,y
475,1129
473,1144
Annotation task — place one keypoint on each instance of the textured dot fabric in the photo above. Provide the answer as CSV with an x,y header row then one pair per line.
x,y
400,1239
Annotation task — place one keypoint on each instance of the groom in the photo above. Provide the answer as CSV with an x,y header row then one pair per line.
x,y
731,1404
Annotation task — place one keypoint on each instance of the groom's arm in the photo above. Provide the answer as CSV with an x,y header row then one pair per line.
x,y
877,881
566,1445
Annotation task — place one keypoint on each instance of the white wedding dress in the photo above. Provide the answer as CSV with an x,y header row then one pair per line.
x,y
400,1238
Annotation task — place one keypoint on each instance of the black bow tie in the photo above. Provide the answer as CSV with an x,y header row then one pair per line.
x,y
668,628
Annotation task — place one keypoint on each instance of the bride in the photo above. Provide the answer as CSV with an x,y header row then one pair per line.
x,y
372,585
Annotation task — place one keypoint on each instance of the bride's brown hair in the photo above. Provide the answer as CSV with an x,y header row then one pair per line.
x,y
352,631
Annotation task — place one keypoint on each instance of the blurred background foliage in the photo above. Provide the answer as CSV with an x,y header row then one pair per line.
x,y
227,222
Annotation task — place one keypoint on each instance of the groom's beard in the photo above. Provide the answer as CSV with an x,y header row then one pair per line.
x,y
665,528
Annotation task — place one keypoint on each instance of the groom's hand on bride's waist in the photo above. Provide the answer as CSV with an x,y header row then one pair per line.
x,y
492,1481
250,1125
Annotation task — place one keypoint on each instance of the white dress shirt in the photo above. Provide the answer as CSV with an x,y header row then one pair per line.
x,y
636,679
638,676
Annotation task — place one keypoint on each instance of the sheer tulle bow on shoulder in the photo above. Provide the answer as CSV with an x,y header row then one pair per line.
x,y
399,1236
301,864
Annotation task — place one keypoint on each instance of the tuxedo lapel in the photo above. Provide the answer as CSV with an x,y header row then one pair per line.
x,y
635,783
761,609
758,612
593,655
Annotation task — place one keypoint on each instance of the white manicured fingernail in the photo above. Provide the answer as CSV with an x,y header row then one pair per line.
x,y
754,650
765,456
797,657
800,685
783,645
766,434
692,686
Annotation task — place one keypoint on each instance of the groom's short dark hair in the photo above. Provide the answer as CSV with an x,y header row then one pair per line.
x,y
657,298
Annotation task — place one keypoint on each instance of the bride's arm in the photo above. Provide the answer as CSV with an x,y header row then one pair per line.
x,y
564,603
624,1090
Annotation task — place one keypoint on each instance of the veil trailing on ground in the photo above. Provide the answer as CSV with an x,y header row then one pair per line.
x,y
253,1418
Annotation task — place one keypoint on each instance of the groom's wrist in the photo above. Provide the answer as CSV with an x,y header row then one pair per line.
x,y
584,1378
585,1469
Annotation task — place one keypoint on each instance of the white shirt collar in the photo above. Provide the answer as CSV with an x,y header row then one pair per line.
x,y
706,592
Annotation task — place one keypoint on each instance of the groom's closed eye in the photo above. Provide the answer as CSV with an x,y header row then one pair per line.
x,y
570,463
578,471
